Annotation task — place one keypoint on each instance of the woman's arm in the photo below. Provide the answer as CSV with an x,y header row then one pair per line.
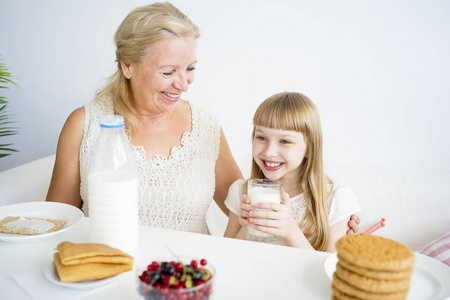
x,y
227,172
65,182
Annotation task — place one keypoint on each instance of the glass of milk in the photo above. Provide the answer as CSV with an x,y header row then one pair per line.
x,y
262,190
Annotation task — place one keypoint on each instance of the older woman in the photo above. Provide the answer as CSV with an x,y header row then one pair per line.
x,y
182,154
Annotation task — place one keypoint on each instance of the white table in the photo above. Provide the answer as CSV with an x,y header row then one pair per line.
x,y
245,270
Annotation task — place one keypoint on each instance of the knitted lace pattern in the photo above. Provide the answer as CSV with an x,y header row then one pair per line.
x,y
175,192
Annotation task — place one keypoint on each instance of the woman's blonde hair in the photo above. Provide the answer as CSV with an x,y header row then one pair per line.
x,y
143,27
296,112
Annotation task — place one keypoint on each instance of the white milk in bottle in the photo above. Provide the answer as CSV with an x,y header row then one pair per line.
x,y
113,188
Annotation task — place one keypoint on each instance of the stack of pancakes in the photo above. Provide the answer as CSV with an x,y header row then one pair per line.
x,y
89,261
371,267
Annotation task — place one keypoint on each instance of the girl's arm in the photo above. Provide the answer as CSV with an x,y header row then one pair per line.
x,y
234,229
227,172
65,182
337,231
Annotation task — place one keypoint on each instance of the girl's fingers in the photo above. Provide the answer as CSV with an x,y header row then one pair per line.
x,y
243,221
266,214
271,206
355,218
264,222
284,197
245,199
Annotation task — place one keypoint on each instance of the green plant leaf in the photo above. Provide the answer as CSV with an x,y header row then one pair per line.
x,y
5,128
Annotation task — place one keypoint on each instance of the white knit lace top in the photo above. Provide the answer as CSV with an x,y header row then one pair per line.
x,y
174,192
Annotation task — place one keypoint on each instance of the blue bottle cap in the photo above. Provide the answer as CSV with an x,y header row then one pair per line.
x,y
112,121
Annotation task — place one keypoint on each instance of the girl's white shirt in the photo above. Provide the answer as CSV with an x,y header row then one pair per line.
x,y
341,205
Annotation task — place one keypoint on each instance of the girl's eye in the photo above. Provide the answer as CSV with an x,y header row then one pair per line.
x,y
285,142
261,138
167,73
190,69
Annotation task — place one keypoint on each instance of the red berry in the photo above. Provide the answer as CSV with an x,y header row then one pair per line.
x,y
171,296
200,295
203,262
183,296
164,290
154,266
199,282
178,267
209,290
166,279
194,264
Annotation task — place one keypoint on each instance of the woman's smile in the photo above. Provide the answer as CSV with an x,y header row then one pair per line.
x,y
171,97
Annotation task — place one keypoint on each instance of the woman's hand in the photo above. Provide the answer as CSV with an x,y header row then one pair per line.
x,y
353,224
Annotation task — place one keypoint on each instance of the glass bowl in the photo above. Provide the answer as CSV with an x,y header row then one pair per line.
x,y
186,283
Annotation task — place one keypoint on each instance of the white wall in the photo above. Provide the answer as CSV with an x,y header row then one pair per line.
x,y
377,70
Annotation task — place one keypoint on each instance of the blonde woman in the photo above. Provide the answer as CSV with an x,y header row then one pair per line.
x,y
183,158
287,147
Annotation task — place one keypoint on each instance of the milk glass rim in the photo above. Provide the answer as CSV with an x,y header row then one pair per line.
x,y
264,182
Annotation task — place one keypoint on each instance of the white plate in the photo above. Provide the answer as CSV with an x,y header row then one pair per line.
x,y
40,209
52,275
430,278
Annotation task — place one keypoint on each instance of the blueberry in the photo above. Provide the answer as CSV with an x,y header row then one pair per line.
x,y
154,277
197,275
164,265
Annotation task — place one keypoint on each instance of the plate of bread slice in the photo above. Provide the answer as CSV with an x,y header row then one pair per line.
x,y
32,221
86,265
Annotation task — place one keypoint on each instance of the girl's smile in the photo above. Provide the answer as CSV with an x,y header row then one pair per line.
x,y
279,153
272,166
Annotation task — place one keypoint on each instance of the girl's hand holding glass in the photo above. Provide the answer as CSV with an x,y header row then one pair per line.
x,y
244,210
276,218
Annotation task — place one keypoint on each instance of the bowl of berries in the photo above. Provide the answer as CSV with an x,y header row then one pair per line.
x,y
181,278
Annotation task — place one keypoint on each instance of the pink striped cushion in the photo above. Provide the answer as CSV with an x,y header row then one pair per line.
x,y
438,249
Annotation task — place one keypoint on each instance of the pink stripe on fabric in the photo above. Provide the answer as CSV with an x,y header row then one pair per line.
x,y
447,261
434,243
439,250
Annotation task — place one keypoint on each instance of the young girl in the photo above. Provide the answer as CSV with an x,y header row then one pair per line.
x,y
287,146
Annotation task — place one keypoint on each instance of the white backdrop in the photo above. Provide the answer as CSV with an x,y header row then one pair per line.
x,y
379,71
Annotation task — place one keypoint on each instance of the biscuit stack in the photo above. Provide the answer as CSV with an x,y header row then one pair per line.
x,y
371,267
89,261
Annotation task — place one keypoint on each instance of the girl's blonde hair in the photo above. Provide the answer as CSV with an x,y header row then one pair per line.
x,y
296,112
143,27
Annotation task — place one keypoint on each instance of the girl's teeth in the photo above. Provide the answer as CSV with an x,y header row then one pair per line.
x,y
272,164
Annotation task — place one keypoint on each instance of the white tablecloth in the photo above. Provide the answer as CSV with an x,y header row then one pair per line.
x,y
245,270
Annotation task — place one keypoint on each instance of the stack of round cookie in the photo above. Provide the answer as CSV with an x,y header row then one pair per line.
x,y
371,267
